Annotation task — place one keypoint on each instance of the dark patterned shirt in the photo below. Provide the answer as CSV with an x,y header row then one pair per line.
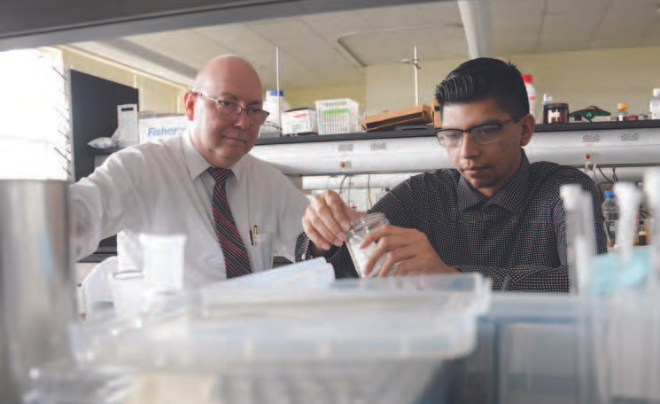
x,y
517,237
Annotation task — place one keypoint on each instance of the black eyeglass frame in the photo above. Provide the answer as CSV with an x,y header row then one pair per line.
x,y
478,137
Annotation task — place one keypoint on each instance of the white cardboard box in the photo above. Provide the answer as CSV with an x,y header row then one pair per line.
x,y
156,127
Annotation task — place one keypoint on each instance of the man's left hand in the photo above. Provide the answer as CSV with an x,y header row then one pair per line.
x,y
409,247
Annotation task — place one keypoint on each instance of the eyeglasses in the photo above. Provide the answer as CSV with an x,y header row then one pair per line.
x,y
227,109
481,134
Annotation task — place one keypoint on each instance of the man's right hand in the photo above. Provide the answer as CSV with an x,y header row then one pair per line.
x,y
326,221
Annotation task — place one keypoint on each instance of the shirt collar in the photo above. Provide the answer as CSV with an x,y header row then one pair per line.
x,y
197,164
510,197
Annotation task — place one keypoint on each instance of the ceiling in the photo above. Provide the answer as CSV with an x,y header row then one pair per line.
x,y
333,48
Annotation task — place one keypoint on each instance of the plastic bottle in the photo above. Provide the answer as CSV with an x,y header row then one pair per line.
x,y
547,100
274,104
655,104
611,213
531,93
622,111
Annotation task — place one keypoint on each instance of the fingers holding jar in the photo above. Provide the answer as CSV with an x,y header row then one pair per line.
x,y
326,221
406,251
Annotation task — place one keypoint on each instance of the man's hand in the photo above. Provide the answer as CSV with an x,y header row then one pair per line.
x,y
410,247
326,221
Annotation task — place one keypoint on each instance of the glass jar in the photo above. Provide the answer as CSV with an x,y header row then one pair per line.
x,y
556,113
356,233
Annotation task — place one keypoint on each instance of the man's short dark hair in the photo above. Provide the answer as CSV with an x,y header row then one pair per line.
x,y
483,78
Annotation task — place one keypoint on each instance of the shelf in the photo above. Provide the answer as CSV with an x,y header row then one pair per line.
x,y
607,144
391,134
604,125
429,131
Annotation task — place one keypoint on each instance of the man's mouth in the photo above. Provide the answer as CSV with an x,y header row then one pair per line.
x,y
473,170
235,139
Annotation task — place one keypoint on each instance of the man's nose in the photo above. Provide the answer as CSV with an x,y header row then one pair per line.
x,y
469,148
242,120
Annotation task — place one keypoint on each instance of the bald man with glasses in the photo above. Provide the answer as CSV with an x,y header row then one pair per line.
x,y
494,213
235,209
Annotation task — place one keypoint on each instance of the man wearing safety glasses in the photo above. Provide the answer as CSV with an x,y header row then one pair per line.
x,y
494,213
234,209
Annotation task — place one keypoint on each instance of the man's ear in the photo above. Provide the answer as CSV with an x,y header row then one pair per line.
x,y
528,125
189,104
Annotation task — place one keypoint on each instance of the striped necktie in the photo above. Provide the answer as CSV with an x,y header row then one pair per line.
x,y
237,262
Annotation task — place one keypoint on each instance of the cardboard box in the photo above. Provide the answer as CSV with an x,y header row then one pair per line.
x,y
419,114
299,121
437,114
159,126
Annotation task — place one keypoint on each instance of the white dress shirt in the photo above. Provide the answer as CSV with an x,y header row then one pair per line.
x,y
164,188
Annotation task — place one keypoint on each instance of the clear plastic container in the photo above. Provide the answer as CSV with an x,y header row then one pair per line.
x,y
431,316
547,100
359,229
337,116
377,341
532,348
275,104
129,292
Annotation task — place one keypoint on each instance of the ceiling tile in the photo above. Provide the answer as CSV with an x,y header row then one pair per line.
x,y
441,13
134,61
579,7
332,26
391,17
625,24
283,31
186,46
652,35
527,15
569,32
432,42
241,40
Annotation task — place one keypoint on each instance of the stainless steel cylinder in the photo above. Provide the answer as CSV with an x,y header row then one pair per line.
x,y
37,300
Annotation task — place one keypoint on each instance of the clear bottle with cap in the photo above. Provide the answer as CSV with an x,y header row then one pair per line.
x,y
622,111
275,104
547,100
654,105
531,93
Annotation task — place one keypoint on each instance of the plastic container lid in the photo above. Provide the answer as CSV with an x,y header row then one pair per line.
x,y
609,194
417,317
622,105
559,105
273,93
527,78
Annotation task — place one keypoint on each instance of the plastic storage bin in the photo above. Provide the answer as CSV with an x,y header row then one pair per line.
x,y
559,348
372,341
337,116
